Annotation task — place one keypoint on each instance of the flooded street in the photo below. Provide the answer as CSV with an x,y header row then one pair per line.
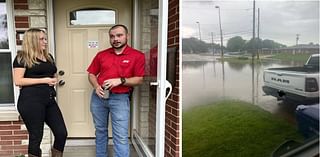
x,y
208,81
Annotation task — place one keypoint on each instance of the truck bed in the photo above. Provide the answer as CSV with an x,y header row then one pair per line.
x,y
304,69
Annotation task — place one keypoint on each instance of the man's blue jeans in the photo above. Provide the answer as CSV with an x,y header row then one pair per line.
x,y
119,107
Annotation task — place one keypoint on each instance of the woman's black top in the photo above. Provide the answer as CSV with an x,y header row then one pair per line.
x,y
40,70
43,69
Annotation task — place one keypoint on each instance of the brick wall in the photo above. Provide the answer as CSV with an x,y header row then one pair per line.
x,y
172,144
13,138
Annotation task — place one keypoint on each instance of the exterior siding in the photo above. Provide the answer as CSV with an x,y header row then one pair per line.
x,y
172,133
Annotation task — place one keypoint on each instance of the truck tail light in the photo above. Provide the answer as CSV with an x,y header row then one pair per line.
x,y
311,85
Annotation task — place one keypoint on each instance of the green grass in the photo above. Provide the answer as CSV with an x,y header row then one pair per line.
x,y
291,57
279,56
240,60
233,129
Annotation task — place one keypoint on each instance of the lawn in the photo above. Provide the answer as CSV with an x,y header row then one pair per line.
x,y
278,56
233,129
291,57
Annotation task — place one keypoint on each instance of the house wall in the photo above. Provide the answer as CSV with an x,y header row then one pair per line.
x,y
13,133
13,138
173,112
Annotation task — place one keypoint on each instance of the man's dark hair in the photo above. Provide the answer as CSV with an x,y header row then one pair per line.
x,y
119,25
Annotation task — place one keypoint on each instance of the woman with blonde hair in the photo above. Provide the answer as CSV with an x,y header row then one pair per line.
x,y
35,74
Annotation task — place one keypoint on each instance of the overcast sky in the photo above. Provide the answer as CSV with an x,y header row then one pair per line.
x,y
280,20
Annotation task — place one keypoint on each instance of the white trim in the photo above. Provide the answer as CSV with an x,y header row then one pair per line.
x,y
162,63
11,32
180,84
9,116
135,24
135,146
12,46
135,45
50,27
144,147
51,40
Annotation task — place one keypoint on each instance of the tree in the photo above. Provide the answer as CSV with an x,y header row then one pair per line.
x,y
193,45
271,44
235,44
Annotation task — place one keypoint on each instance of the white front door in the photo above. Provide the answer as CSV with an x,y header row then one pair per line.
x,y
78,38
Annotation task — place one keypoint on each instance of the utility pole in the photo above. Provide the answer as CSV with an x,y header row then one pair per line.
x,y
253,28
253,51
212,44
258,33
297,39
199,30
221,38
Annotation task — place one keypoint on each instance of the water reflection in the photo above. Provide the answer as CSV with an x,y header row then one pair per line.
x,y
207,82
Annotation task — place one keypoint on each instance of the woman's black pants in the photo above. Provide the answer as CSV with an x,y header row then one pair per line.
x,y
36,108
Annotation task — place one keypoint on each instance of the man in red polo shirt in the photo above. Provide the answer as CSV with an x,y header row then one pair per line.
x,y
112,73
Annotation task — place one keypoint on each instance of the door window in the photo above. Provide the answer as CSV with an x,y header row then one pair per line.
x,y
6,81
92,16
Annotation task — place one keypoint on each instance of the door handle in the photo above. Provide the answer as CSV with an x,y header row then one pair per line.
x,y
61,82
154,83
61,72
168,85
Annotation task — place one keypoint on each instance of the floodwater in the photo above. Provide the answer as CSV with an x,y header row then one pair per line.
x,y
206,82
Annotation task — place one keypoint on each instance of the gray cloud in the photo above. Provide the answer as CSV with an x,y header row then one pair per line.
x,y
279,20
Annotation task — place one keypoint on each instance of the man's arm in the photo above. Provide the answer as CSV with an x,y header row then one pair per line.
x,y
131,81
94,82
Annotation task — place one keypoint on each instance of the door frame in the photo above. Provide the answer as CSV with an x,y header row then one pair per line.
x,y
161,77
50,31
161,83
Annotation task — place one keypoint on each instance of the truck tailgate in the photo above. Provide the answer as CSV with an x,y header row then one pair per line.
x,y
285,81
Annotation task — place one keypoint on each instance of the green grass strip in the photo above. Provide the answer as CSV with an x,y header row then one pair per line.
x,y
302,57
233,129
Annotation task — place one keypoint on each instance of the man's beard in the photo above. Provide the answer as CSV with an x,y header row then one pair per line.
x,y
118,47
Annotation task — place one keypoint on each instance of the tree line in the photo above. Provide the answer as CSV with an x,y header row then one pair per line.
x,y
234,44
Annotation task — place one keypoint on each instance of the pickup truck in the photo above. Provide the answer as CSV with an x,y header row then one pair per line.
x,y
300,84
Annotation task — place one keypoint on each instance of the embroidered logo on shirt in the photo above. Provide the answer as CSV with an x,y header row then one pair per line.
x,y
125,61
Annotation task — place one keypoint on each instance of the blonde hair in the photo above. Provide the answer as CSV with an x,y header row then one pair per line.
x,y
31,48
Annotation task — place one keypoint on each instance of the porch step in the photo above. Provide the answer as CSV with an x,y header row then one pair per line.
x,y
89,151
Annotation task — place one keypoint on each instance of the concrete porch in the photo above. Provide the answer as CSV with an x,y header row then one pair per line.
x,y
87,149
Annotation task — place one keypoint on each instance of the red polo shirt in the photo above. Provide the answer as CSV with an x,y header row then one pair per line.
x,y
107,65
